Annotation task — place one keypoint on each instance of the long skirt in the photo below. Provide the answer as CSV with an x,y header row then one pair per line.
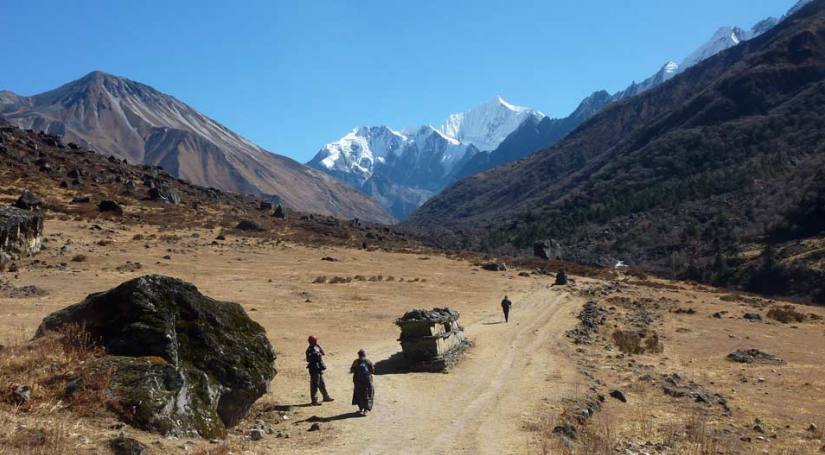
x,y
363,394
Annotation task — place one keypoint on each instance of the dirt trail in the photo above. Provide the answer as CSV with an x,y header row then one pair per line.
x,y
479,406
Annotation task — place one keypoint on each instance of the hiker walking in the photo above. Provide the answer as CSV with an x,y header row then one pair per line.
x,y
315,365
505,307
363,391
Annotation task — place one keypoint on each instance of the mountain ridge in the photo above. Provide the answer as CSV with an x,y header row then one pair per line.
x,y
132,120
402,169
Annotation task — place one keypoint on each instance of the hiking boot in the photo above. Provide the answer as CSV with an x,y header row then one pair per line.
x,y
328,399
315,403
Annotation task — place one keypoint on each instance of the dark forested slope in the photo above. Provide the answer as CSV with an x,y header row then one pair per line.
x,y
714,175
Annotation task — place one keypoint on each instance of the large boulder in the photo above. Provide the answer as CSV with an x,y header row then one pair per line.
x,y
547,249
21,232
180,362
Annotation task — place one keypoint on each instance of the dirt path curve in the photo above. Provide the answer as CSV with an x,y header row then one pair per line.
x,y
479,407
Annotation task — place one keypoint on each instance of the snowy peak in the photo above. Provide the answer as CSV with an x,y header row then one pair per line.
x,y
724,38
358,151
487,125
402,169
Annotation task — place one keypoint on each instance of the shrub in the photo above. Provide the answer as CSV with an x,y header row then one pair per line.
x,y
785,314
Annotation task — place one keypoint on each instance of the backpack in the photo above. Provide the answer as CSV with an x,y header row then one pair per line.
x,y
362,371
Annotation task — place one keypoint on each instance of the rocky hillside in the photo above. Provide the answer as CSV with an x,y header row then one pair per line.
x,y
67,180
712,175
130,120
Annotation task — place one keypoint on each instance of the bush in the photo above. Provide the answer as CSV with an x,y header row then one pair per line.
x,y
786,314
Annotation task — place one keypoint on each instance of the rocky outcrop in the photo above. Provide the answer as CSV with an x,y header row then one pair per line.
x,y
547,249
21,232
164,193
180,362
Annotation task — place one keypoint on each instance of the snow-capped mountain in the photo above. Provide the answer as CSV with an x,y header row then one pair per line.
x,y
487,126
402,169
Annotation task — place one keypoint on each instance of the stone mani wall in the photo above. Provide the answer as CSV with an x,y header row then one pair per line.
x,y
432,340
21,232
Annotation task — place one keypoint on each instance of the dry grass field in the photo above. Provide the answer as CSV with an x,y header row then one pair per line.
x,y
519,381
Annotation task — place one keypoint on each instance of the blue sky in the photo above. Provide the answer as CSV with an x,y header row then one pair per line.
x,y
293,75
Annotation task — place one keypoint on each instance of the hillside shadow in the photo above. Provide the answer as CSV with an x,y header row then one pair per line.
x,y
395,364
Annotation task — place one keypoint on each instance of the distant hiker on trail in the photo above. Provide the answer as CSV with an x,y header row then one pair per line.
x,y
363,391
505,307
315,365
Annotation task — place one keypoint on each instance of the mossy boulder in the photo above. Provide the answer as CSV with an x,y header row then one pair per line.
x,y
180,362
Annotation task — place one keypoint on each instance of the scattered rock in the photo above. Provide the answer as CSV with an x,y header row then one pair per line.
x,y
619,395
266,206
181,363
28,201
812,428
256,434
329,258
673,385
752,316
590,318
315,426
127,446
280,212
110,206
248,225
494,267
561,278
753,356
164,193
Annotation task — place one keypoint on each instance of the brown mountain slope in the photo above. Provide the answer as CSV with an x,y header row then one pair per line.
x,y
131,120
693,178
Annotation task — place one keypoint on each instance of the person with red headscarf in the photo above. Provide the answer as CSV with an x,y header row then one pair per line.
x,y
315,365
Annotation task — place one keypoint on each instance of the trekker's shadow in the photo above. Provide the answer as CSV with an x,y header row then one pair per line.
x,y
285,407
344,416
395,364
492,323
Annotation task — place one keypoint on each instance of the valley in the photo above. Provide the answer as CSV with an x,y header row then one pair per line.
x,y
519,381
642,276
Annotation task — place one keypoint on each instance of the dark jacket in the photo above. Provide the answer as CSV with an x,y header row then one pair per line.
x,y
315,359
506,304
